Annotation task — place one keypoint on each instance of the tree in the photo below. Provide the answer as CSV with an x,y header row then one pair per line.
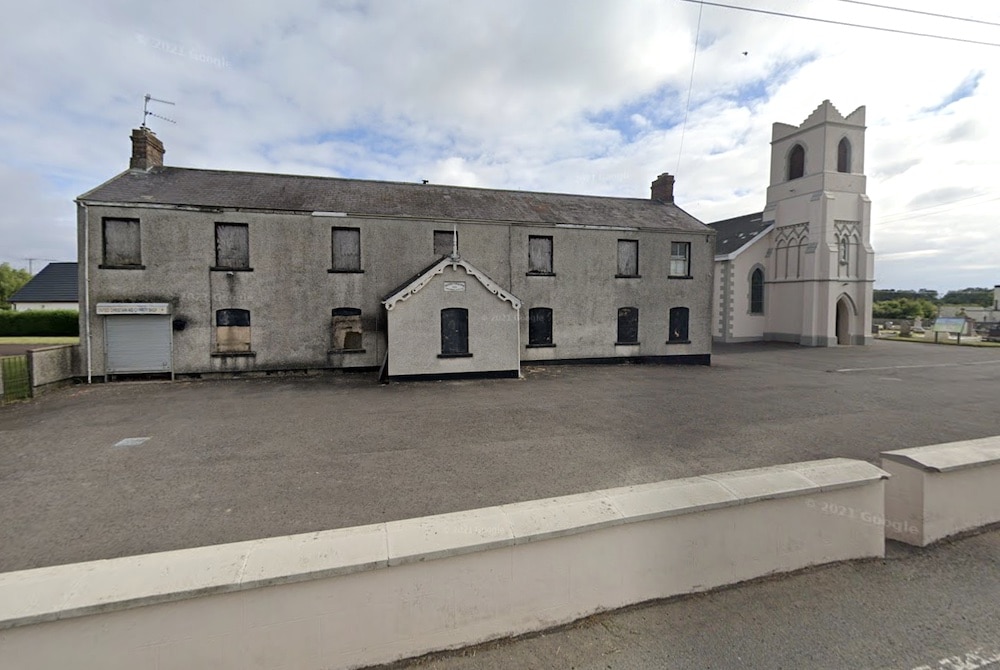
x,y
11,279
969,296
904,308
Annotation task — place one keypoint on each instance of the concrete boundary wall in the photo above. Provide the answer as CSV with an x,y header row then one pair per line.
x,y
942,489
372,594
51,365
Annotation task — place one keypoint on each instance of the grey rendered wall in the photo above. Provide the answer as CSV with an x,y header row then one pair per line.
x,y
415,329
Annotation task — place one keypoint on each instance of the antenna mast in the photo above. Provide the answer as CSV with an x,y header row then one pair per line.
x,y
146,113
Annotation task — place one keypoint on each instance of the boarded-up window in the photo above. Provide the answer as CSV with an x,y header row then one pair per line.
x,y
347,328
454,331
796,162
539,326
628,325
539,254
232,246
757,292
122,246
678,324
445,241
232,330
680,259
628,258
346,244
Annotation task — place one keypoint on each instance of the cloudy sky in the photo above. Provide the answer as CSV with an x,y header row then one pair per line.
x,y
581,97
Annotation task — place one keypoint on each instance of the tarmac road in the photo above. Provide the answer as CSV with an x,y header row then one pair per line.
x,y
241,459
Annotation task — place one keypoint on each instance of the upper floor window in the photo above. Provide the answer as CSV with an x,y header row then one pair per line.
x,y
628,325
678,325
454,332
844,156
346,249
122,243
680,259
445,241
539,255
232,246
757,291
539,327
796,162
628,258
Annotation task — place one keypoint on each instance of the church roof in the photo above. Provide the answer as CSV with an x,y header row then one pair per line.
x,y
398,200
734,234
56,282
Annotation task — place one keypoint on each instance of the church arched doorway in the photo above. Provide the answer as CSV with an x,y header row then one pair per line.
x,y
844,321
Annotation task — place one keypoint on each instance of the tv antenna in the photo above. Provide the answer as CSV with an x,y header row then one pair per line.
x,y
146,113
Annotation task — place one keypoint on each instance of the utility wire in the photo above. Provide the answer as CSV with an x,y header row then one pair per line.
x,y
687,105
917,11
843,23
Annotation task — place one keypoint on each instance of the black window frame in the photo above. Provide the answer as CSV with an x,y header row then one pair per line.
x,y
455,341
844,156
243,266
116,263
548,269
796,162
675,258
345,267
628,326
631,248
679,326
346,322
540,327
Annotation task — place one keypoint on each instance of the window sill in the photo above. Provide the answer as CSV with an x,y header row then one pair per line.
x,y
122,267
216,268
539,346
679,277
626,344
454,355
346,351
539,274
678,341
238,354
334,271
628,276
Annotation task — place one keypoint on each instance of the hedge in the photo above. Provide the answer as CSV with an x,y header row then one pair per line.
x,y
40,323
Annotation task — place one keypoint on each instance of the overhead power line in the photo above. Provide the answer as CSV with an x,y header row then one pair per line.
x,y
917,11
842,23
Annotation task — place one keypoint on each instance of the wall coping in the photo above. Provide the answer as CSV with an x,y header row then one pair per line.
x,y
949,456
66,591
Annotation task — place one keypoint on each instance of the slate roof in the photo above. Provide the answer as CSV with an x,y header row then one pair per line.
x,y
56,282
261,191
733,233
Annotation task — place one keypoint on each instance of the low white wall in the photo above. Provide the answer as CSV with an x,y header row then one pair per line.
x,y
942,489
372,594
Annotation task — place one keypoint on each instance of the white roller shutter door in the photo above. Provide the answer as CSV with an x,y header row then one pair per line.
x,y
137,343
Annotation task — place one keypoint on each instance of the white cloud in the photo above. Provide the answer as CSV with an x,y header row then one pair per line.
x,y
557,96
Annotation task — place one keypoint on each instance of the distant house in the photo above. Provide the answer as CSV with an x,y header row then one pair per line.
x,y
55,287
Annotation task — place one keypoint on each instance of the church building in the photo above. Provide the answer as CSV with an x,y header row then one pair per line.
x,y
802,270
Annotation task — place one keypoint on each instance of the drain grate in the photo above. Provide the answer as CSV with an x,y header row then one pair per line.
x,y
131,442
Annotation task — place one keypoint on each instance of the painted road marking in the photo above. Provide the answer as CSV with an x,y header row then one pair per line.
x,y
972,660
131,442
911,367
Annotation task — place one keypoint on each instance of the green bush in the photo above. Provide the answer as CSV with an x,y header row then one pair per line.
x,y
40,323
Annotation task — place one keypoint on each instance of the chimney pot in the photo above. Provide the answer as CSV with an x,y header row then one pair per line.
x,y
147,150
662,190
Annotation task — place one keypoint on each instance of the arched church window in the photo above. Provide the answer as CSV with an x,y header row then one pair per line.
x,y
757,292
796,162
844,156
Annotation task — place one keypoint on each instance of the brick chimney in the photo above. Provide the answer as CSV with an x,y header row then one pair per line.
x,y
662,190
147,150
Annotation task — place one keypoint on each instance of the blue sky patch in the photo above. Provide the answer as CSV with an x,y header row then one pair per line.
x,y
966,89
